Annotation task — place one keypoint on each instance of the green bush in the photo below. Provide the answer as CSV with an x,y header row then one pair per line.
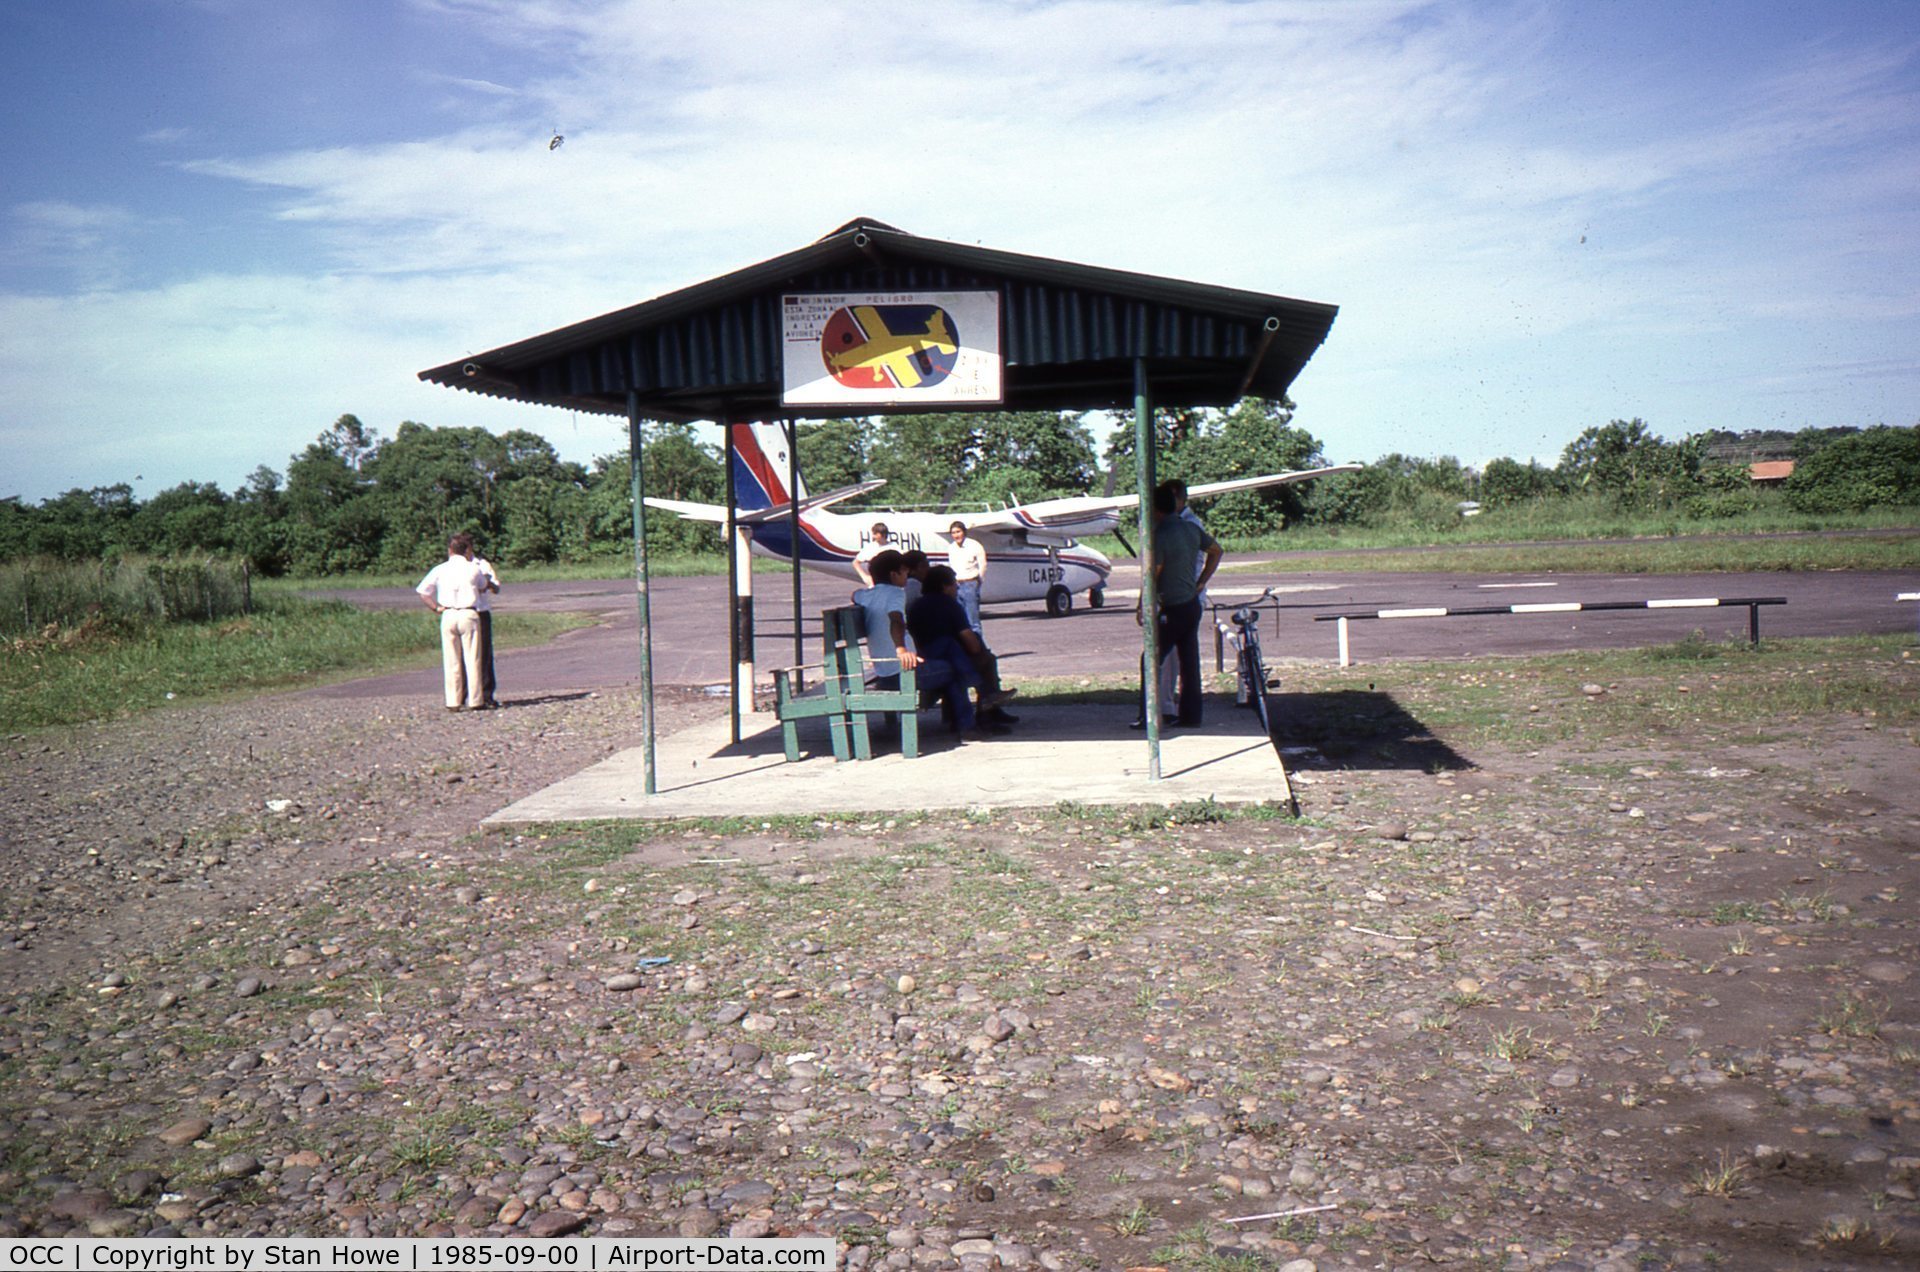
x,y
1876,468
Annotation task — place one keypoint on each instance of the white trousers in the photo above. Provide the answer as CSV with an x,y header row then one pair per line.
x,y
460,657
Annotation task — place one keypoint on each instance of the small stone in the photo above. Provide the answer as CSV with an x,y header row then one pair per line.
x,y
467,894
1391,830
698,1221
1593,690
1563,1078
185,1131
237,1166
1466,985
623,983
906,984
729,1013
557,1223
248,987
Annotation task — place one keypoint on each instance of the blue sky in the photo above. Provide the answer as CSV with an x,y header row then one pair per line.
x,y
226,222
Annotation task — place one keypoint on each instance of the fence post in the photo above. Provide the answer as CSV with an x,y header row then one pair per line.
x,y
1346,659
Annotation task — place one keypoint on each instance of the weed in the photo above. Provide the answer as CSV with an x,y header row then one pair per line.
x,y
1134,1222
1851,1233
1854,1016
1513,1045
1724,1178
1739,912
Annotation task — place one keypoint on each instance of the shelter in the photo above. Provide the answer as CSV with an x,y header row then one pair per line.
x,y
1069,337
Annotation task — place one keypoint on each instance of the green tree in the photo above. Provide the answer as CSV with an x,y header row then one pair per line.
x,y
833,453
1506,482
1877,468
1625,461
333,524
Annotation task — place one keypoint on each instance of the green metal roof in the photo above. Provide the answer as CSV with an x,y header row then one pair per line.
x,y
712,350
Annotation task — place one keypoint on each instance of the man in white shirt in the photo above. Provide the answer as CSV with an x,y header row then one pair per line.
x,y
484,608
878,542
968,559
452,590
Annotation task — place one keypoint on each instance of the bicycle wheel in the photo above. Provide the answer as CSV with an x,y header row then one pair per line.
x,y
1255,670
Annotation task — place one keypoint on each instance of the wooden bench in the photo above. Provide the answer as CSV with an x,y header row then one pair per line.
x,y
843,697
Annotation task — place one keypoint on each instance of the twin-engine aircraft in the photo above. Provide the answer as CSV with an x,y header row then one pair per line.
x,y
1033,550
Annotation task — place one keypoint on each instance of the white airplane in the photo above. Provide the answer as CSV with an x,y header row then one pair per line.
x,y
1033,550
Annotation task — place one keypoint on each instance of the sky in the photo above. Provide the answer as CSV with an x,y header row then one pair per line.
x,y
224,223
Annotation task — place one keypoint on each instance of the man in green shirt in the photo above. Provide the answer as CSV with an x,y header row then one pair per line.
x,y
1178,546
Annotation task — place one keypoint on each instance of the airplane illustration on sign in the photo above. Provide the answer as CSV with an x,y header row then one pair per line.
x,y
889,346
1033,550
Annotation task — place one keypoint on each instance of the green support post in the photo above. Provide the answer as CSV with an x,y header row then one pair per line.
x,y
635,449
1143,466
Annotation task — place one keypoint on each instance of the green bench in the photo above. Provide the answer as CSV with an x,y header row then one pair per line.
x,y
843,697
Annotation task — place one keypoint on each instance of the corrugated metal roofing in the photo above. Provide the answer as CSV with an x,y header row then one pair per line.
x,y
1071,334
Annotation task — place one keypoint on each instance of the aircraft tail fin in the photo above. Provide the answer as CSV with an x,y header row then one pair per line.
x,y
758,453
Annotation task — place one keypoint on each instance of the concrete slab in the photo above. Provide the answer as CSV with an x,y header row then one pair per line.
x,y
1081,752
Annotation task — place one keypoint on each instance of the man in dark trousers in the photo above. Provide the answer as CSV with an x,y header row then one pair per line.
x,y
938,624
1178,545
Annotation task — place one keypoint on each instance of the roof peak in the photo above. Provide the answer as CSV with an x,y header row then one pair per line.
x,y
857,224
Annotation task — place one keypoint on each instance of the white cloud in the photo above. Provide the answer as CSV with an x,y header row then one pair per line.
x,y
1517,255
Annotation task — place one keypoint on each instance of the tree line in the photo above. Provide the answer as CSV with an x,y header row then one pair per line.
x,y
355,501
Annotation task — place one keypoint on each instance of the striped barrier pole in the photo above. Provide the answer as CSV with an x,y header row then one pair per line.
x,y
1752,603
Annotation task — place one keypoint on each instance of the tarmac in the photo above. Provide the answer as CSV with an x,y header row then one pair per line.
x,y
1072,752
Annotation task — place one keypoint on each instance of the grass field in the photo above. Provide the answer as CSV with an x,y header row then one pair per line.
x,y
80,676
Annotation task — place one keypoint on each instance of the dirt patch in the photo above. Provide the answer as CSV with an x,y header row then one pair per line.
x,y
1587,1003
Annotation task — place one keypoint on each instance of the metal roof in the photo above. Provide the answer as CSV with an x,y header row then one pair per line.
x,y
1072,332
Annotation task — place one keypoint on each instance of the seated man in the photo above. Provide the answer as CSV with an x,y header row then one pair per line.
x,y
938,624
917,567
885,604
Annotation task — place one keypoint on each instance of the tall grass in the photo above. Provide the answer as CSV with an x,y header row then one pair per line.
x,y
127,594
91,672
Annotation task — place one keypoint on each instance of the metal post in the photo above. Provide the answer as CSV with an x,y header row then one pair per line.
x,y
1144,445
793,543
635,449
743,600
1346,659
1753,626
733,593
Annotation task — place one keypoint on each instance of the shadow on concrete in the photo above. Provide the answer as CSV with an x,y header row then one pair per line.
x,y
1362,729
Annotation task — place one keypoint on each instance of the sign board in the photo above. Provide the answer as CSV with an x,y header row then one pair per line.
x,y
879,349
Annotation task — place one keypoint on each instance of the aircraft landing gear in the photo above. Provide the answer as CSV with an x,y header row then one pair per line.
x,y
1059,601
1097,597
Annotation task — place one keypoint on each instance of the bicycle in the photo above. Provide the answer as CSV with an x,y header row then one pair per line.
x,y
1252,667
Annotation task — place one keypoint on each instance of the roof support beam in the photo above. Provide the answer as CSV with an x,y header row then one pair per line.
x,y
1268,330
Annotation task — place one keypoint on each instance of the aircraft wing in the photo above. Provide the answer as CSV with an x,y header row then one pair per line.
x,y
1090,511
717,513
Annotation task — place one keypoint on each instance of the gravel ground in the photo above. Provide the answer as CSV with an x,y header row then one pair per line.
x,y
1558,1008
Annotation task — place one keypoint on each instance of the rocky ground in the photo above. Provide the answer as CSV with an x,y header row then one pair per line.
x,y
1576,1005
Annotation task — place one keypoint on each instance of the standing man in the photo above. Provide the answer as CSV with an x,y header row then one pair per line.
x,y
968,560
873,547
452,590
484,608
1168,663
1177,546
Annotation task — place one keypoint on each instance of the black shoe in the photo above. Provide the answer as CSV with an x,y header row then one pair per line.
x,y
997,729
1166,722
1000,715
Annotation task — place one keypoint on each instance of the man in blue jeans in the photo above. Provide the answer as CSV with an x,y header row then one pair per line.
x,y
938,624
1178,545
